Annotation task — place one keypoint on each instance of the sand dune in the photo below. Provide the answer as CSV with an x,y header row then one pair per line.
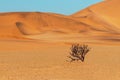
x,y
91,22
18,25
35,23
104,15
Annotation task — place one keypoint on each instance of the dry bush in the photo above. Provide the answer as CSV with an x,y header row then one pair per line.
x,y
78,52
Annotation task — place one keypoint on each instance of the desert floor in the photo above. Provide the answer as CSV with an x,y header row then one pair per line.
x,y
33,60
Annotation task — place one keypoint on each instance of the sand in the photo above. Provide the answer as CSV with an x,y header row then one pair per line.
x,y
35,45
29,60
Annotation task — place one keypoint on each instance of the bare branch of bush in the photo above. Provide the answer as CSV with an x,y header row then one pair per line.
x,y
78,52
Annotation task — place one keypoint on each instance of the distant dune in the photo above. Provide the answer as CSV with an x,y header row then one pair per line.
x,y
30,23
100,20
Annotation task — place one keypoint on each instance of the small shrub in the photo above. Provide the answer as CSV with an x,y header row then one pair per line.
x,y
78,52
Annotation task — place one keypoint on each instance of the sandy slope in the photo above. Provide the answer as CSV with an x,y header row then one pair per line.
x,y
105,13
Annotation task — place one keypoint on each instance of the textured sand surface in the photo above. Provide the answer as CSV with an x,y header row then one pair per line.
x,y
47,61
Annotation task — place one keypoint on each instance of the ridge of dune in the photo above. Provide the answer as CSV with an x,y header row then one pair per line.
x,y
109,11
30,23
104,15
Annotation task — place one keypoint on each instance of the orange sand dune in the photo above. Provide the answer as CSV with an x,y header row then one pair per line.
x,y
35,23
18,25
92,22
104,16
